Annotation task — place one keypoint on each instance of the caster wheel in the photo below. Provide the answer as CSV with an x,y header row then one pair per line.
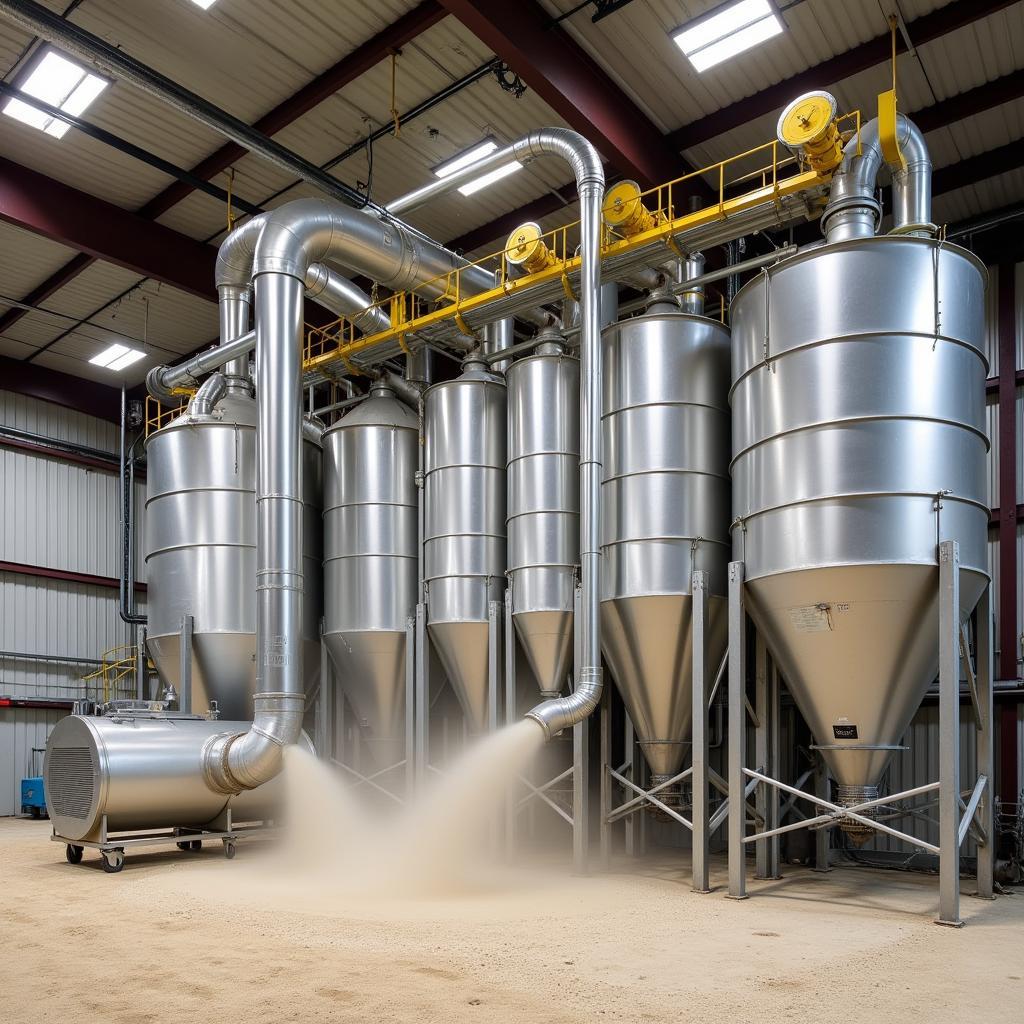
x,y
36,813
113,861
229,849
197,845
184,847
73,854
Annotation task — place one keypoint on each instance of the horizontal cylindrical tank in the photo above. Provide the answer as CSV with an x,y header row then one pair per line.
x,y
666,513
370,460
544,507
464,525
201,552
140,772
859,443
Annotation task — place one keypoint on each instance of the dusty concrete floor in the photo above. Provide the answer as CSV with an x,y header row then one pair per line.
x,y
179,937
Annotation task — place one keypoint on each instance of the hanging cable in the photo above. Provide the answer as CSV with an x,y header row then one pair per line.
x,y
231,188
394,97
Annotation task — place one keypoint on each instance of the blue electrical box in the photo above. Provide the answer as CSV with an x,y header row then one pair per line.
x,y
33,799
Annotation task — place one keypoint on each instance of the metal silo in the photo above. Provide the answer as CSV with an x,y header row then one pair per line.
x,y
666,513
858,443
201,551
543,507
370,565
464,525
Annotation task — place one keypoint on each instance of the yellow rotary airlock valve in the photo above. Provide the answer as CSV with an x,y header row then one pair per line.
x,y
624,212
526,248
808,124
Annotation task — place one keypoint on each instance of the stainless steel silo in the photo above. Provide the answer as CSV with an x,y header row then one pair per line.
x,y
543,507
371,559
666,513
464,525
201,552
858,443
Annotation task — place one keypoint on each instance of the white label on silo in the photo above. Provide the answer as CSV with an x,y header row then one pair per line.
x,y
811,618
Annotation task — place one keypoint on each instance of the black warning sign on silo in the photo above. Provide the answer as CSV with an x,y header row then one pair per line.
x,y
844,731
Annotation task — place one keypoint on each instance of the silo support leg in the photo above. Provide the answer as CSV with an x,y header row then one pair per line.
x,y
821,835
185,666
737,734
580,787
510,716
422,717
766,756
949,734
699,778
410,707
605,834
985,755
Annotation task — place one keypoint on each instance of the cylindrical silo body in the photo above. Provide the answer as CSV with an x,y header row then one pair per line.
x,y
201,552
666,513
464,526
370,562
858,443
544,508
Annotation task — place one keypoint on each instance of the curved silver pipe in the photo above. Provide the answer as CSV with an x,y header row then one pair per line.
x,y
325,286
294,238
563,712
161,379
691,299
313,428
309,231
853,211
236,761
213,389
343,298
408,391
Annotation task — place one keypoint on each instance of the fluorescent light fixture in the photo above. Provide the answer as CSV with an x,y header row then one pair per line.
x,y
490,177
731,31
60,82
117,357
472,156
205,4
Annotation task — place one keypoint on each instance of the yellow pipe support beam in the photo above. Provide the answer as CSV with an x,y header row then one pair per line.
x,y
664,232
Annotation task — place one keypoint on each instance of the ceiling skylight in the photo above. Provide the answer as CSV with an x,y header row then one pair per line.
x,y
731,31
472,156
117,357
60,82
205,4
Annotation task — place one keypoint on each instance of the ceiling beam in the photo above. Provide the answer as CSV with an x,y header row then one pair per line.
x,y
362,59
346,70
50,208
938,115
570,81
90,397
978,168
875,51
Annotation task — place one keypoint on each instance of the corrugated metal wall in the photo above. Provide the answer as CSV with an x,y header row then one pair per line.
x,y
57,515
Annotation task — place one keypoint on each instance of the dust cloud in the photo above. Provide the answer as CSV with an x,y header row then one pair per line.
x,y
440,844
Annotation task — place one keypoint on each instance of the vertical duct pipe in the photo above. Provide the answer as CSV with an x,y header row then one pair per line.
x,y
853,211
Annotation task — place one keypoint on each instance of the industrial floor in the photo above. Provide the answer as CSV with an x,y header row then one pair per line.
x,y
189,937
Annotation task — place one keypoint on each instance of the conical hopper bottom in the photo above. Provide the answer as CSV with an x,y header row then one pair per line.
x,y
546,637
223,669
858,646
462,648
648,646
370,666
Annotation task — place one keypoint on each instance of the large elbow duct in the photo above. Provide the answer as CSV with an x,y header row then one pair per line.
x,y
854,212
293,239
564,712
